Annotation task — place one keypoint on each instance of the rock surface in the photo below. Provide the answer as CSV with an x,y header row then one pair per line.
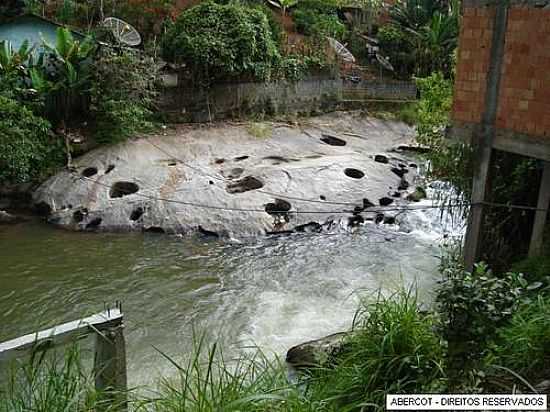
x,y
316,353
9,219
225,180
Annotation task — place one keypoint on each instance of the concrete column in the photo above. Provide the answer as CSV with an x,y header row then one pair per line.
x,y
542,211
485,138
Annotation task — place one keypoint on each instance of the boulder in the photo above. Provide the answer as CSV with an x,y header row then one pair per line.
x,y
417,195
224,180
316,353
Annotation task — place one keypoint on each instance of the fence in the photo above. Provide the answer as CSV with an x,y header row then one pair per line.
x,y
110,349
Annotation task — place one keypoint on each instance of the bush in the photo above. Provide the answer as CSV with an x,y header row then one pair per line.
x,y
319,19
222,41
394,44
27,149
124,93
473,305
394,349
434,107
524,345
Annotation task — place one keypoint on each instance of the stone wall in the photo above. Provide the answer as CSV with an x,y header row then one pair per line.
x,y
522,81
237,99
306,97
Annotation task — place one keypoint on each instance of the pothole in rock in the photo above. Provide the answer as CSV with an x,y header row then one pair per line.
x,y
89,172
354,173
79,215
241,158
136,214
278,208
109,169
381,159
121,189
94,223
234,173
385,201
332,140
244,185
154,229
219,161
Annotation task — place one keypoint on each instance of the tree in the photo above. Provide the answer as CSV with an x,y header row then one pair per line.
x,y
11,8
222,41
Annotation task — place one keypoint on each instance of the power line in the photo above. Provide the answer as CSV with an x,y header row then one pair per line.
x,y
281,212
276,195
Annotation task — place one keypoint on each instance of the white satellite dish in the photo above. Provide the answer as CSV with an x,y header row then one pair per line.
x,y
124,33
384,62
274,4
341,50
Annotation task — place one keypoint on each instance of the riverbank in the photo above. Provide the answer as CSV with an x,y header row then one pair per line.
x,y
239,179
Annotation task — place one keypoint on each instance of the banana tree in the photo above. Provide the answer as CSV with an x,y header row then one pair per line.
x,y
285,4
65,75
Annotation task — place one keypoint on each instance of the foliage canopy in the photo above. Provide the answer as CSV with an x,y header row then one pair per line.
x,y
222,41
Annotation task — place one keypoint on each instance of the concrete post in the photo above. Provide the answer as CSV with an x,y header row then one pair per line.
x,y
542,211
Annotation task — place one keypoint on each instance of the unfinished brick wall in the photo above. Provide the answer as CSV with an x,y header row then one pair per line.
x,y
476,33
524,101
523,104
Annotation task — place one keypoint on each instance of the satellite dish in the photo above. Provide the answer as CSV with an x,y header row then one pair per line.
x,y
274,4
384,62
341,50
124,33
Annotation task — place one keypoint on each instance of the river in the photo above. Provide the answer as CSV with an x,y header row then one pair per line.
x,y
273,292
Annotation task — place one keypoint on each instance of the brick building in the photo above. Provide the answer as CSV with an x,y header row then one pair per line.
x,y
502,95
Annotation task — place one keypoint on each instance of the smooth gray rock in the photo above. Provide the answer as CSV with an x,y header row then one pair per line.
x,y
316,353
225,180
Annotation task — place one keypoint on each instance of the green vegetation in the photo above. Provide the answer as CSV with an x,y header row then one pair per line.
x,y
422,36
393,349
49,383
124,88
27,148
318,18
523,344
222,41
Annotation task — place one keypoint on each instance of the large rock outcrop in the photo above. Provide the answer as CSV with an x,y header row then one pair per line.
x,y
237,179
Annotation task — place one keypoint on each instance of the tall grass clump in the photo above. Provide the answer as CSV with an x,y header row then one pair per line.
x,y
524,344
393,349
48,382
206,382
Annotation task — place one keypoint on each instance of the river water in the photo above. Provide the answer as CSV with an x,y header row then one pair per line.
x,y
273,292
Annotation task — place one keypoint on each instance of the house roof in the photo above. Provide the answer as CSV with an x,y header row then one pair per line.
x,y
31,27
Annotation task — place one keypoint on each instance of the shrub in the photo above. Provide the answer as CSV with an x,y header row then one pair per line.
x,y
434,107
524,344
27,149
535,269
473,305
222,41
394,349
318,18
394,44
124,92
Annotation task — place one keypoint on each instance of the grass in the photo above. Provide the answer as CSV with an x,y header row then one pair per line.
x,y
49,383
524,344
259,130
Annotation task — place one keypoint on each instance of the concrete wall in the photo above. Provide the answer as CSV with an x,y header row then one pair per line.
x,y
522,78
236,99
379,89
308,96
